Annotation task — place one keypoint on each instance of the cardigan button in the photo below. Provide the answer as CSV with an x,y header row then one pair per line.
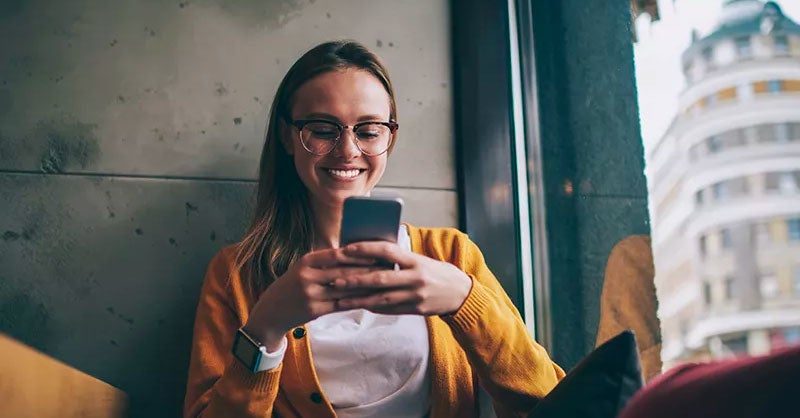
x,y
316,397
299,333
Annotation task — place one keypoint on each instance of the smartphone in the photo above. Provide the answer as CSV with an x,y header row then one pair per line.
x,y
371,218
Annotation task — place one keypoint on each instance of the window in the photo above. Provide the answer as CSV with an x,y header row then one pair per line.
x,y
786,183
735,345
772,182
765,132
713,144
707,293
794,131
721,191
774,86
782,133
792,335
730,139
698,198
794,229
727,240
781,43
768,286
729,288
796,280
743,48
708,55
703,246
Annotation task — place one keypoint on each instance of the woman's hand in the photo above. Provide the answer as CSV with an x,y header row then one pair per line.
x,y
302,294
422,286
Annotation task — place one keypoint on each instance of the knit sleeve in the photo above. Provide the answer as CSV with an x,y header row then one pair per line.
x,y
219,385
515,370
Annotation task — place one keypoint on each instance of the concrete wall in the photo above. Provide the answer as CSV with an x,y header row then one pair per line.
x,y
129,140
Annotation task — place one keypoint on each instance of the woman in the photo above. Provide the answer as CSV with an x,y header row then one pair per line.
x,y
335,336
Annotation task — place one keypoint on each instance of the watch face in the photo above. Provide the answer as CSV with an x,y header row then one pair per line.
x,y
246,351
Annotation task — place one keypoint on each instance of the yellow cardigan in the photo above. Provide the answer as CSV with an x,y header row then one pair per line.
x,y
484,341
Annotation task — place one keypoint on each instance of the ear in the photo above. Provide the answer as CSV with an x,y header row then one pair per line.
x,y
286,137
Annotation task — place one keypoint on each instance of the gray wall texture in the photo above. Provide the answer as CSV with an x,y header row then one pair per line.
x,y
129,140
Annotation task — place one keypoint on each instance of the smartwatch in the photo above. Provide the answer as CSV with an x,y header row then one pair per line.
x,y
248,350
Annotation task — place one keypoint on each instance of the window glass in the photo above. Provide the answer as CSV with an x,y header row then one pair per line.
x,y
794,229
743,47
739,226
781,44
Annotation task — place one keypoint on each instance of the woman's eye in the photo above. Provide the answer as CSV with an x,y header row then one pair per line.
x,y
368,135
324,134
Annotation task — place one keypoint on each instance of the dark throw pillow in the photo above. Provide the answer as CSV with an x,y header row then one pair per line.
x,y
599,386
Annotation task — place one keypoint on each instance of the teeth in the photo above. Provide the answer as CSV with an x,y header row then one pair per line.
x,y
345,173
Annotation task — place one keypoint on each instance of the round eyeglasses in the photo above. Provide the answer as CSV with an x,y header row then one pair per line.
x,y
320,137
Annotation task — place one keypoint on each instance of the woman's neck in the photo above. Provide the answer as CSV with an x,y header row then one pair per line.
x,y
328,219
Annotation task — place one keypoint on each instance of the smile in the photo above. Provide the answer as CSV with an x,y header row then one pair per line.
x,y
344,174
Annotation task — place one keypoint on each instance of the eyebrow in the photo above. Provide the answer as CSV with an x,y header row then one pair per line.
x,y
328,116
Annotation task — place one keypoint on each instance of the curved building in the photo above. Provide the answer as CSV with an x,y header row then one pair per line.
x,y
725,191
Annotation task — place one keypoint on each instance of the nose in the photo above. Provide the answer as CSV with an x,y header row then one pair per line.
x,y
347,148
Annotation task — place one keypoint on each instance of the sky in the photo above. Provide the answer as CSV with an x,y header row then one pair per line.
x,y
657,54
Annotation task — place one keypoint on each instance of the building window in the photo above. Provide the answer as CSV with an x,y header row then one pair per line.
x,y
794,229
792,335
721,191
735,345
772,182
765,132
713,144
768,286
774,86
743,48
786,183
782,133
707,293
781,43
794,131
698,198
727,240
703,246
796,280
729,288
708,55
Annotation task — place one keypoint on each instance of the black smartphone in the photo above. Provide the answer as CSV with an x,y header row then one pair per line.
x,y
371,218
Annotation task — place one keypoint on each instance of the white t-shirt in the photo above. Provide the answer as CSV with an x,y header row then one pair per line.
x,y
373,365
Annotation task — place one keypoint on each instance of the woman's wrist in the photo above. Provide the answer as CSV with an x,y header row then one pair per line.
x,y
266,335
464,289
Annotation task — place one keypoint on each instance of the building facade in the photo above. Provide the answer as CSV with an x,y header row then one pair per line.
x,y
724,185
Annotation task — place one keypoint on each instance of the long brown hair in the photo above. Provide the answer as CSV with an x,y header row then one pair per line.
x,y
282,229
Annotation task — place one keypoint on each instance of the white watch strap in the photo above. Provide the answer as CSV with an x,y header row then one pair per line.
x,y
272,360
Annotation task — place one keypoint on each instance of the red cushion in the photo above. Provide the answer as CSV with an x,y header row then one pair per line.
x,y
766,386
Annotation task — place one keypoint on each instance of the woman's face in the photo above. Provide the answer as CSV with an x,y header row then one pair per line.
x,y
348,97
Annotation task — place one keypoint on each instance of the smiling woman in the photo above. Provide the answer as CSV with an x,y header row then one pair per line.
x,y
291,324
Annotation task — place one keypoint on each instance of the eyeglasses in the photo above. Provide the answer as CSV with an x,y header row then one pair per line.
x,y
320,137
